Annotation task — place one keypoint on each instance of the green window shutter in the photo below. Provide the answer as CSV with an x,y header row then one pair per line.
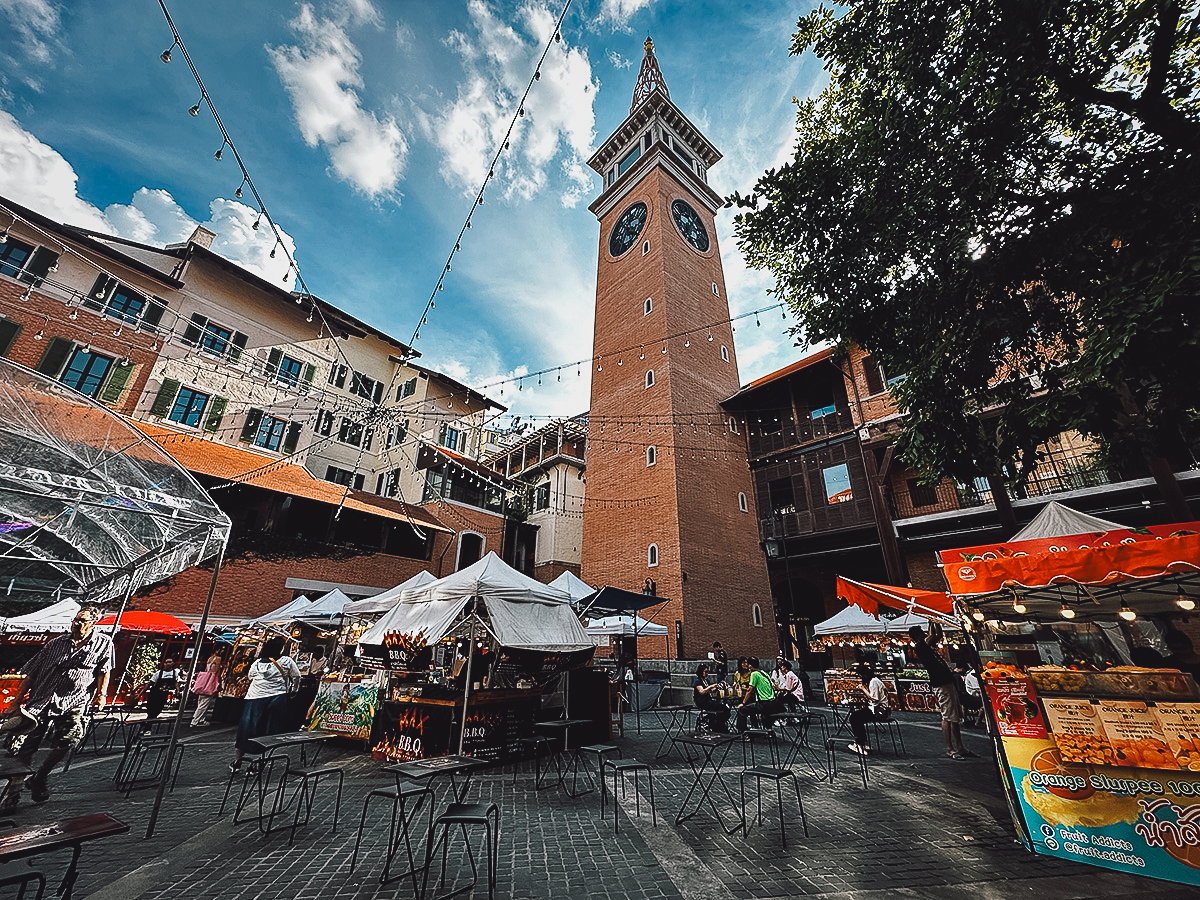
x,y
442,434
292,438
8,335
194,329
38,267
164,398
273,359
378,393
118,378
153,312
54,356
216,412
250,426
97,296
309,372
239,344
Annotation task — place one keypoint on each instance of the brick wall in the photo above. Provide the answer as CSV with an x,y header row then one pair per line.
x,y
250,587
51,317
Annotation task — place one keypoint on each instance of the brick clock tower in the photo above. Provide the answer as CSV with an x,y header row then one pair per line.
x,y
669,495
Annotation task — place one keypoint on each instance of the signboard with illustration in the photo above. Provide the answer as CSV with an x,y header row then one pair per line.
x,y
1105,765
344,707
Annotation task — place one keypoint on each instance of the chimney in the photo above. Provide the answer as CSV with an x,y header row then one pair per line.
x,y
202,237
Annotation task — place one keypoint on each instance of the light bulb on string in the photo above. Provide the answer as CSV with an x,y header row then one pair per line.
x,y
1184,602
195,110
74,314
238,192
1127,614
1066,612
165,56
220,150
257,221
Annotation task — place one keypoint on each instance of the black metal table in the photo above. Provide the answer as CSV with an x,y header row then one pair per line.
x,y
676,725
564,726
709,767
22,843
270,747
451,767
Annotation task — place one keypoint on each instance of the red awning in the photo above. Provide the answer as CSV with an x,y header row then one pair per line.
x,y
147,622
869,597
1096,558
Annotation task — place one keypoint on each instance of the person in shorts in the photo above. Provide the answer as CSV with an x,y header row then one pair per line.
x,y
945,690
61,681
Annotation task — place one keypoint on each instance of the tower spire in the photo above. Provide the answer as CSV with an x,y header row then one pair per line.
x,y
650,78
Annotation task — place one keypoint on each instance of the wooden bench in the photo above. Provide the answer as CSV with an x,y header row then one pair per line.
x,y
27,841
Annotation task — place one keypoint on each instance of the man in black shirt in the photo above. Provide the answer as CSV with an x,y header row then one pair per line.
x,y
941,682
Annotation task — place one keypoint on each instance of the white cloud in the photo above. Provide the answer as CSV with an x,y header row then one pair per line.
x,y
405,36
559,120
321,76
36,175
35,23
617,61
619,12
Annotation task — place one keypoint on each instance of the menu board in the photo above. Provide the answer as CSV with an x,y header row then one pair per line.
x,y
1078,730
1181,728
1135,735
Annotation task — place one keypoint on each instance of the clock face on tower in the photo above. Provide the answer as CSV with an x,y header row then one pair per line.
x,y
687,220
627,229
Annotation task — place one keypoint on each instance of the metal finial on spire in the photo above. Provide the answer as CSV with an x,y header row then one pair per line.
x,y
650,78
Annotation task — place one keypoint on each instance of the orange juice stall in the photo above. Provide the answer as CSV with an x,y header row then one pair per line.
x,y
1097,729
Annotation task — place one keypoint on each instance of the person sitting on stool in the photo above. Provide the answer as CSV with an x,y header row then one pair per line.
x,y
715,714
878,708
787,685
760,697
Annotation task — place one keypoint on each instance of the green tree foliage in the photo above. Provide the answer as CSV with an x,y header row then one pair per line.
x,y
999,200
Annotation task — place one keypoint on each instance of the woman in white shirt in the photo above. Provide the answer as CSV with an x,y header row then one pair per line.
x,y
878,708
265,711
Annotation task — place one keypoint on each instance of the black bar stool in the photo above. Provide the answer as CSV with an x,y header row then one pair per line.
x,y
534,745
407,802
486,815
761,773
306,794
621,767
893,729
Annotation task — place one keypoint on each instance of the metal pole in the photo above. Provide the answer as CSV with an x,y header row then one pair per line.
x,y
462,728
199,642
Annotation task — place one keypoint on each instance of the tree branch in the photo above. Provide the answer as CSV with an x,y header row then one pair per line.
x,y
1176,129
1160,50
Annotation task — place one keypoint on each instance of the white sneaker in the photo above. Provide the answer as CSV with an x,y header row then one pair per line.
x,y
861,751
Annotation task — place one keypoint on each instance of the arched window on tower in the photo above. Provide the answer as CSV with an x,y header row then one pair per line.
x,y
742,504
651,456
756,613
645,247
648,306
724,353
649,378
652,561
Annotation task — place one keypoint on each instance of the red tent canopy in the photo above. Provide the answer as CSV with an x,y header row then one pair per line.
x,y
148,622
1095,558
870,597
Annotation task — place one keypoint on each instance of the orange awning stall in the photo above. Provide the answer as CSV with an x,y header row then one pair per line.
x,y
1096,558
869,597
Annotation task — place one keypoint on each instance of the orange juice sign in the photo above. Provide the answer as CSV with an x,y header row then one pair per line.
x,y
1016,706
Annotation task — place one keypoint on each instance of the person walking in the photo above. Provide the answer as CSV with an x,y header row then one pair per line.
x,y
944,688
205,688
265,711
62,680
161,686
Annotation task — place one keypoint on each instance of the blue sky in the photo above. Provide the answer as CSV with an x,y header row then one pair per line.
x,y
367,126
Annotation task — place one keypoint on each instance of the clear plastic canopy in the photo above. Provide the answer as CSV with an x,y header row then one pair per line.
x,y
90,507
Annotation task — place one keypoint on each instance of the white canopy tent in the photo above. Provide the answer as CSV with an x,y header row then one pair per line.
x,y
282,614
617,625
851,620
568,582
1056,520
53,619
524,613
384,601
326,607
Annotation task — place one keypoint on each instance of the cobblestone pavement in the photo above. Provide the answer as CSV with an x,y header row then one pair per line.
x,y
924,827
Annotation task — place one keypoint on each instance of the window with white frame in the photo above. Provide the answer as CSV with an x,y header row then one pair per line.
x,y
648,306
651,456
26,263
742,504
649,378
645,247
724,353
716,290
756,615
110,297
214,338
652,556
188,407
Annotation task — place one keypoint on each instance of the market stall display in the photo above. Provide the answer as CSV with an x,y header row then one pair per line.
x,y
479,648
1101,758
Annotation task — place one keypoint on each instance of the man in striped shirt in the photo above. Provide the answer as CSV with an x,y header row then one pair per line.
x,y
62,680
